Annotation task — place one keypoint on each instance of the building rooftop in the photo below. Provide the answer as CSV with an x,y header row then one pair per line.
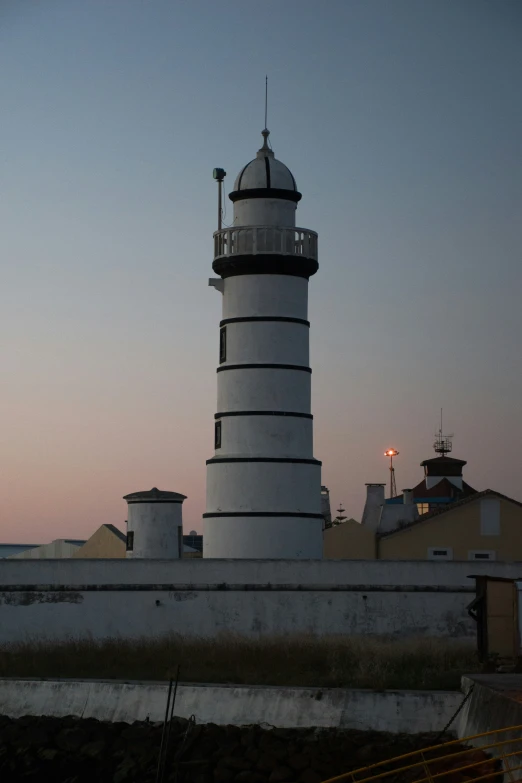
x,y
435,461
264,172
154,494
6,550
444,508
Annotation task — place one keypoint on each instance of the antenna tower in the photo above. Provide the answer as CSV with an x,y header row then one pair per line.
x,y
340,518
442,444
391,453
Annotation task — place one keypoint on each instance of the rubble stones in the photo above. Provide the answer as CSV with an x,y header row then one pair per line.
x,y
88,751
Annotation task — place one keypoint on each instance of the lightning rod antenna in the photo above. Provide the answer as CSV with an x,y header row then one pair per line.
x,y
266,101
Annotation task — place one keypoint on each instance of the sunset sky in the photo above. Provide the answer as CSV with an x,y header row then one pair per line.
x,y
402,124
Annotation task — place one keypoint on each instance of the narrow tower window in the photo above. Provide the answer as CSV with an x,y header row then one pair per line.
x,y
130,541
223,344
217,435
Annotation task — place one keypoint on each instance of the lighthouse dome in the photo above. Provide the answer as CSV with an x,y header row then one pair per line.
x,y
265,173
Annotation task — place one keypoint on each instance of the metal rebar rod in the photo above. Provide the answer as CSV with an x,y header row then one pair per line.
x,y
158,770
169,725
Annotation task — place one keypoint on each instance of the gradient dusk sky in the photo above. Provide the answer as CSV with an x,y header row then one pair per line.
x,y
401,121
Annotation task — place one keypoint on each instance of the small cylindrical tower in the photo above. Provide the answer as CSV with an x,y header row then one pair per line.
x,y
263,483
154,524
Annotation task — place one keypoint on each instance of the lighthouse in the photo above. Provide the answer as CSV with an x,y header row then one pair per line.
x,y
263,482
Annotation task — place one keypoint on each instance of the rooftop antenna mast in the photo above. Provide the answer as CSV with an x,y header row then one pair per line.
x,y
442,444
339,519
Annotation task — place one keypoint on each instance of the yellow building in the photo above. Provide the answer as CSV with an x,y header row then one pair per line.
x,y
106,542
109,542
349,540
483,526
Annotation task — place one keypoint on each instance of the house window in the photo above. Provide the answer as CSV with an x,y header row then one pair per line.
x,y
223,344
423,508
490,517
440,553
217,435
130,541
481,554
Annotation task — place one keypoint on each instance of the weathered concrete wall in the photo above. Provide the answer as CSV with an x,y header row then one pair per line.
x,y
275,572
58,599
494,702
132,613
394,711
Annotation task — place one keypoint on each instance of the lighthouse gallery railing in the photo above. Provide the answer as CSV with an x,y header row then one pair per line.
x,y
254,240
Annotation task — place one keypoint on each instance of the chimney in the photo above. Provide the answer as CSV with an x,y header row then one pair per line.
x,y
407,497
373,505
325,506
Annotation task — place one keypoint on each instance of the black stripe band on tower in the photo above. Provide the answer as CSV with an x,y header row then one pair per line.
x,y
253,318
267,169
242,172
262,514
265,459
264,413
299,367
265,264
285,195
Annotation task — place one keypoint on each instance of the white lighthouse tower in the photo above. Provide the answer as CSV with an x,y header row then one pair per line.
x,y
263,483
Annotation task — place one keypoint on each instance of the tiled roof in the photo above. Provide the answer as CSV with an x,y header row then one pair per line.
x,y
444,488
449,507
442,460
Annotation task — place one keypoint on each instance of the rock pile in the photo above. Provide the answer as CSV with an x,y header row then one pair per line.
x,y
70,750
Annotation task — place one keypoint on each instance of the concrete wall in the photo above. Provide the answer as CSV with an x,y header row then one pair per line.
x,y
57,599
493,702
394,711
460,529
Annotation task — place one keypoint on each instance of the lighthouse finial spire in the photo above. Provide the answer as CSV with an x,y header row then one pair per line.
x,y
265,133
266,101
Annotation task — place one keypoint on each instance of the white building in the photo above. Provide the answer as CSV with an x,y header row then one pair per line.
x,y
155,524
263,483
